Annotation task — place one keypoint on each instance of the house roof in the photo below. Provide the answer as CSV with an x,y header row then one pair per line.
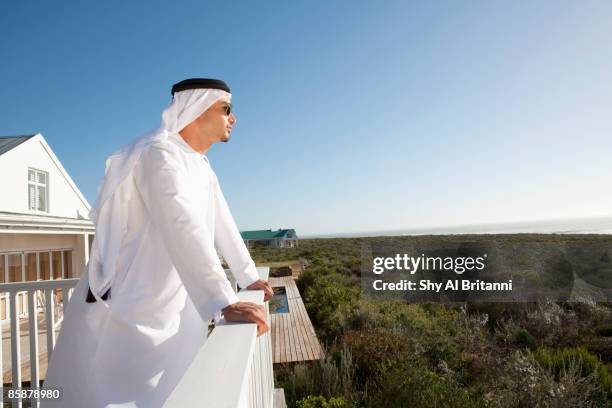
x,y
264,234
29,223
10,142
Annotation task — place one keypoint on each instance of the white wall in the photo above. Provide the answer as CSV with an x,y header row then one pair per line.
x,y
64,198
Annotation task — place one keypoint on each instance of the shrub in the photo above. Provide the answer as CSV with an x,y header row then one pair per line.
x,y
601,347
525,383
497,312
370,349
525,339
328,377
329,301
366,315
559,361
605,330
322,402
412,384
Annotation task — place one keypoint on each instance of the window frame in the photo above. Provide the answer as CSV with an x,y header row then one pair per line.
x,y
36,185
64,255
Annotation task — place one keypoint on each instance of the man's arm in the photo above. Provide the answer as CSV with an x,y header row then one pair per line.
x,y
231,244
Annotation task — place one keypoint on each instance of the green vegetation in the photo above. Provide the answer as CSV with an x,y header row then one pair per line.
x,y
398,354
560,362
322,402
605,330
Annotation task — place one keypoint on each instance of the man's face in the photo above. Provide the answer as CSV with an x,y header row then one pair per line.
x,y
216,122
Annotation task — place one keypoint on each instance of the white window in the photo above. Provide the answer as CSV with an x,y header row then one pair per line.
x,y
27,266
38,190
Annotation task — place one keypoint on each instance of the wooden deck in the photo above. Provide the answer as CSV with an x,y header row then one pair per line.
x,y
297,266
293,337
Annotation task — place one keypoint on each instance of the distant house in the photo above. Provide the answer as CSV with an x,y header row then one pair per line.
x,y
282,238
45,232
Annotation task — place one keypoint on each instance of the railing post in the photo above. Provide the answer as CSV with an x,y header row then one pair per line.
x,y
1,354
33,334
15,343
50,322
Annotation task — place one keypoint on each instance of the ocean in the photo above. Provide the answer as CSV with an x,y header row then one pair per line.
x,y
585,225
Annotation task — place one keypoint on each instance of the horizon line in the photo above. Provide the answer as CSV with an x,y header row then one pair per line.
x,y
443,229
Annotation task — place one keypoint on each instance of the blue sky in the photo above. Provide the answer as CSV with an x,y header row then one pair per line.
x,y
352,116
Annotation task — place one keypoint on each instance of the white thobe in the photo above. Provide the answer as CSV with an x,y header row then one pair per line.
x,y
169,283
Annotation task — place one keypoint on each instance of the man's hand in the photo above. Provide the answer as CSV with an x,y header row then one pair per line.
x,y
262,285
247,312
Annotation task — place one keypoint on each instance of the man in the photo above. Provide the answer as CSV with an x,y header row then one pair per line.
x,y
140,311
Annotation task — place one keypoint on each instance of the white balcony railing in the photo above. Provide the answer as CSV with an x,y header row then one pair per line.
x,y
232,369
41,296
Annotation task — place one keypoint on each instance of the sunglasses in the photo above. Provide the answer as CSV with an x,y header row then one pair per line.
x,y
227,108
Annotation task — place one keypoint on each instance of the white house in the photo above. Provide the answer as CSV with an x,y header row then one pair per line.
x,y
45,232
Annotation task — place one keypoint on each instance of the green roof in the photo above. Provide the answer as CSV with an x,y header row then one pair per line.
x,y
264,234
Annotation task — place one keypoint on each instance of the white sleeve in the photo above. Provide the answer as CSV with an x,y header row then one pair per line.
x,y
230,242
162,181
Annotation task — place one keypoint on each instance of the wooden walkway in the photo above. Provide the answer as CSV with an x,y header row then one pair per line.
x,y
293,337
